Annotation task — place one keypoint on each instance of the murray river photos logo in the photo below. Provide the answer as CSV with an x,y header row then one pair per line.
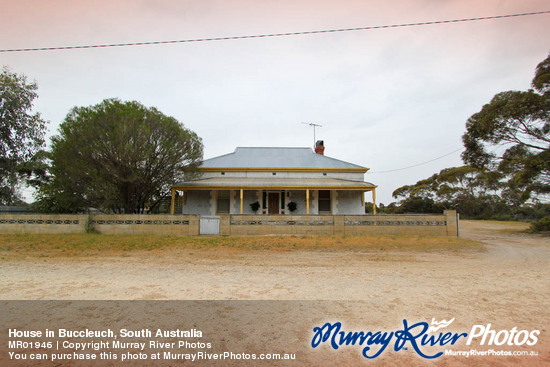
x,y
419,337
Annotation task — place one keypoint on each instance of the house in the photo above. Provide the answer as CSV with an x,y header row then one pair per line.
x,y
277,180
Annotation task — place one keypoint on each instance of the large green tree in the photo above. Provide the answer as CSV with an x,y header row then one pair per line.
x,y
511,134
21,135
117,157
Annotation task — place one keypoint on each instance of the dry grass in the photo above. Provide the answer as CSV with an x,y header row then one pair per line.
x,y
504,227
85,245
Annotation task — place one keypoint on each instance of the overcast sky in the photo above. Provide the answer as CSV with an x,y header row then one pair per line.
x,y
387,99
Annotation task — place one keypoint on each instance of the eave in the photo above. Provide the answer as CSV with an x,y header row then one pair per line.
x,y
346,188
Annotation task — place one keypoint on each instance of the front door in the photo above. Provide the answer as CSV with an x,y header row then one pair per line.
x,y
273,203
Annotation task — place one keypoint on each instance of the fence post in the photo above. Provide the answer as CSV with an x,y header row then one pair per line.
x,y
451,219
458,224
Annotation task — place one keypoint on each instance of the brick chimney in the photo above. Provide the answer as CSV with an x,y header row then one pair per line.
x,y
320,147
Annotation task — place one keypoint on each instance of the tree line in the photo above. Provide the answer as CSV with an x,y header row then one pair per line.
x,y
506,171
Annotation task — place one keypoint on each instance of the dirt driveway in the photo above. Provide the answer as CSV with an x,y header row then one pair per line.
x,y
512,271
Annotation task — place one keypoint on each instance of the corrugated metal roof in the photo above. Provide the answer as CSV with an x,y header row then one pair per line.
x,y
250,157
244,182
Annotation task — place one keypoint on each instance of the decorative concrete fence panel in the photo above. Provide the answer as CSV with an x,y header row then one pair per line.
x,y
415,224
434,225
282,224
183,225
43,223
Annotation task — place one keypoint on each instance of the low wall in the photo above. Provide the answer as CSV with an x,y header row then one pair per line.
x,y
434,225
43,223
183,225
424,224
280,224
236,225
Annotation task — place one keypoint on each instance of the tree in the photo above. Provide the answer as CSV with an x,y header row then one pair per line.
x,y
471,191
541,81
21,135
117,157
511,135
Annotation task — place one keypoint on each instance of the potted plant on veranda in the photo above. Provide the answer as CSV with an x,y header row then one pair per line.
x,y
292,206
255,206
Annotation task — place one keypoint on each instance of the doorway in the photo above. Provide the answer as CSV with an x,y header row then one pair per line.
x,y
273,203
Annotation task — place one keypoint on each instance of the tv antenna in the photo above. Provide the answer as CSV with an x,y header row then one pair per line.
x,y
314,126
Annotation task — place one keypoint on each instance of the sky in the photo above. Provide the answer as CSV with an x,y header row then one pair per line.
x,y
387,99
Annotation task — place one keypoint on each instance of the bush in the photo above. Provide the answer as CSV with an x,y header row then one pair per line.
x,y
542,225
292,206
533,211
255,206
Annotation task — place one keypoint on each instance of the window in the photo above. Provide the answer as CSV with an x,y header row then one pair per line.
x,y
324,201
223,201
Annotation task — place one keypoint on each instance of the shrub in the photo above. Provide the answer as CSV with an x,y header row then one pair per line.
x,y
255,206
292,206
542,225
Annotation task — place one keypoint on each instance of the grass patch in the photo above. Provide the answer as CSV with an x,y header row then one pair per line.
x,y
504,227
90,244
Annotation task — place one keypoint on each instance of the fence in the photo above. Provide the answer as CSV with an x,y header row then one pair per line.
x,y
445,224
426,224
186,225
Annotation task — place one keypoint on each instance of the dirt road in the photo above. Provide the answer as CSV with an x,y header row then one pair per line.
x,y
514,267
